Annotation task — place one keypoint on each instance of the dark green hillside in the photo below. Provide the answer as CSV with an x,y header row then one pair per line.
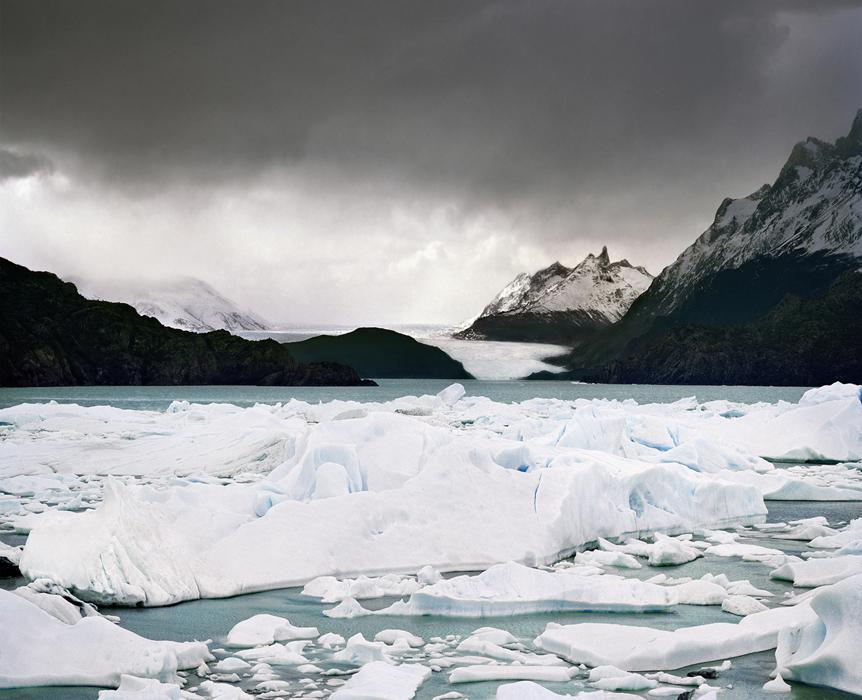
x,y
380,353
51,336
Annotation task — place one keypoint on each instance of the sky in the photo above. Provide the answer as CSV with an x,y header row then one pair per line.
x,y
396,162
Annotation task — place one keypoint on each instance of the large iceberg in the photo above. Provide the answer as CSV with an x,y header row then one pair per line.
x,y
159,546
347,489
39,649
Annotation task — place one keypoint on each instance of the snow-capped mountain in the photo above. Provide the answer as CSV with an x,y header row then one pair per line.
x,y
813,207
767,294
562,304
187,303
597,286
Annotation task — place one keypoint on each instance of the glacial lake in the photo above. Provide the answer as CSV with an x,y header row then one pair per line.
x,y
159,397
211,619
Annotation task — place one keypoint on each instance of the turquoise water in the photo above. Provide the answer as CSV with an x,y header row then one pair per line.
x,y
159,397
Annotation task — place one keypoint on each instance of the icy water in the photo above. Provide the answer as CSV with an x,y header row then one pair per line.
x,y
211,619
159,397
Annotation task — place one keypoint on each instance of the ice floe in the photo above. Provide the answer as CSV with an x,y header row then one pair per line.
x,y
647,649
132,688
511,588
263,629
39,649
825,652
819,572
377,680
497,672
330,589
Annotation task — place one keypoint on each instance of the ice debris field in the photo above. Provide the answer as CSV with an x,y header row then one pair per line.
x,y
621,550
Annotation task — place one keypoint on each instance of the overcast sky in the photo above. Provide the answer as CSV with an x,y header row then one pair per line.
x,y
341,162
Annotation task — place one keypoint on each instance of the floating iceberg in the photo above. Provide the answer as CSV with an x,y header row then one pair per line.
x,y
647,649
263,629
411,478
527,690
513,589
497,672
38,649
820,571
345,489
825,652
377,680
132,688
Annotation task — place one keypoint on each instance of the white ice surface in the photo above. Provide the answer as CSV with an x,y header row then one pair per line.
x,y
825,652
529,481
528,690
820,571
132,688
647,649
510,589
263,629
38,649
496,672
527,500
378,680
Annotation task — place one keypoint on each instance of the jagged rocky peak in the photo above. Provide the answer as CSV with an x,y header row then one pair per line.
x,y
813,207
596,285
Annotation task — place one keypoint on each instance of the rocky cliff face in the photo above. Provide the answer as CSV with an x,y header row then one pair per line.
x,y
561,304
791,240
813,207
50,336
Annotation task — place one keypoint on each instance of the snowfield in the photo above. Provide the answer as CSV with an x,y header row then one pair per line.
x,y
359,501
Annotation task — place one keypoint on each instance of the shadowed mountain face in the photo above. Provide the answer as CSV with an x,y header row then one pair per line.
x,y
382,354
51,336
739,305
560,304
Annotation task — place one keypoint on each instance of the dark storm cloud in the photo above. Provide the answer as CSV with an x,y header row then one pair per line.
x,y
503,98
401,159
16,165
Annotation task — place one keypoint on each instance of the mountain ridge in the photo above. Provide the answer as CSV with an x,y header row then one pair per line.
x,y
794,237
50,335
561,304
186,303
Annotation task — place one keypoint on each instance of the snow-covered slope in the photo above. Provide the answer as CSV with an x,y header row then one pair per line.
x,y
813,207
597,286
186,303
773,265
558,300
